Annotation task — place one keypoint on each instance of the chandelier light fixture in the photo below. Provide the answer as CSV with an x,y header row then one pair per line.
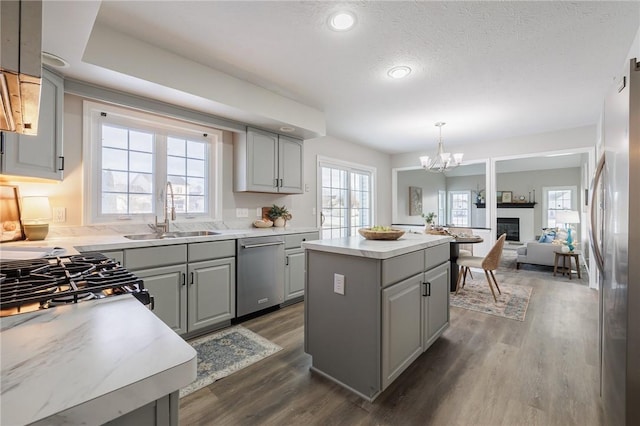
x,y
442,161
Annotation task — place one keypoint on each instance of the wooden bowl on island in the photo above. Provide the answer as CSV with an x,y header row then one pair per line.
x,y
391,234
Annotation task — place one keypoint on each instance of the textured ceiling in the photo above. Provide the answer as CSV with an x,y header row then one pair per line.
x,y
491,70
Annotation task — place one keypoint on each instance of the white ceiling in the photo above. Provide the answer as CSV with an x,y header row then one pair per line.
x,y
491,70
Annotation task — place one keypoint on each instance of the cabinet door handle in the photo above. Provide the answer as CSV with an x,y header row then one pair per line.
x,y
428,289
184,278
281,183
424,289
286,260
276,182
61,163
191,282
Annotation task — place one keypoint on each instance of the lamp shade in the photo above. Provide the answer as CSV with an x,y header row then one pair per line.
x,y
567,216
35,210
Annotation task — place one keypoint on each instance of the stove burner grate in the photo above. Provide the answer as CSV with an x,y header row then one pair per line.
x,y
64,280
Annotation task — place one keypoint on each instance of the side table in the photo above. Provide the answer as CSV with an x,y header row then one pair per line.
x,y
564,268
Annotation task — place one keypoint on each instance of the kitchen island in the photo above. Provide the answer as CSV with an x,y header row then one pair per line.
x,y
372,307
90,363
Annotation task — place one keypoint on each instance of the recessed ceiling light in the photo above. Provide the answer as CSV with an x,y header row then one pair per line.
x,y
399,72
53,60
287,129
342,21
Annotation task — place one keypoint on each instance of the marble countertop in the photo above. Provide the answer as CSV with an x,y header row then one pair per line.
x,y
377,249
89,362
82,243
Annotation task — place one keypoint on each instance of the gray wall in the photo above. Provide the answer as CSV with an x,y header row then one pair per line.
x,y
430,184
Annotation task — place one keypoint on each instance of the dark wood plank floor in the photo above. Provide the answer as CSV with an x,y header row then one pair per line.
x,y
484,370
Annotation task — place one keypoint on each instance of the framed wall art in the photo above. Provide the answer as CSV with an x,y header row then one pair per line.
x,y
506,196
415,201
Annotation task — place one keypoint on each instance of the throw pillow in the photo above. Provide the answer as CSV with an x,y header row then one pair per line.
x,y
548,235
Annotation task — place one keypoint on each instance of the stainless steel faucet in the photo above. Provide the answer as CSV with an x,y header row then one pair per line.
x,y
164,226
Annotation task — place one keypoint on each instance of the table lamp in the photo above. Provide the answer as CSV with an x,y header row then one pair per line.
x,y
36,213
568,217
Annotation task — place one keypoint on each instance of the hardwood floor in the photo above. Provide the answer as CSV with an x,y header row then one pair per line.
x,y
484,370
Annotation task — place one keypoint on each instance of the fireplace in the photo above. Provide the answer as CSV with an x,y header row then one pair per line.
x,y
510,225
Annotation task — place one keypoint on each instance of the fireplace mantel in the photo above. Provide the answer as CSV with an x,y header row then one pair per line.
x,y
509,205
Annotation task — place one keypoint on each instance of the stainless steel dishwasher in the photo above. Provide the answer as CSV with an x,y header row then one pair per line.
x,y
260,276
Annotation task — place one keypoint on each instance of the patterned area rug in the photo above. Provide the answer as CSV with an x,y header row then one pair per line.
x,y
225,352
476,296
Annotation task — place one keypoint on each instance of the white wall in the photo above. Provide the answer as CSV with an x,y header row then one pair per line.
x,y
69,192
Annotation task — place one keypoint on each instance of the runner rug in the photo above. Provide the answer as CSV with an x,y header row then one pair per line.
x,y
225,352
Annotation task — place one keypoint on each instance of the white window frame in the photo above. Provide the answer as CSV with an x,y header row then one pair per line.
x,y
153,122
333,162
450,195
545,200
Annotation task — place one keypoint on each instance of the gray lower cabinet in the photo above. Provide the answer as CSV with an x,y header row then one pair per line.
x,y
212,286
196,289
162,412
40,155
401,327
293,274
167,285
435,310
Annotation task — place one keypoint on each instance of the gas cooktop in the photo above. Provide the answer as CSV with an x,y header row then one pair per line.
x,y
29,285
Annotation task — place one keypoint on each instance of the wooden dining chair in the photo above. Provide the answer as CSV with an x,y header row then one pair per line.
x,y
489,263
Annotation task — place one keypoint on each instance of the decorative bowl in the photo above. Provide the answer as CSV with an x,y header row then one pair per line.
x,y
263,223
392,234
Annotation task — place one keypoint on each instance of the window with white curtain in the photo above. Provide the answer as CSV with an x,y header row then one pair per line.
x,y
557,198
130,156
346,198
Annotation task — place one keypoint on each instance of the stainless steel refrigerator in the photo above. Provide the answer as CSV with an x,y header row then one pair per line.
x,y
615,239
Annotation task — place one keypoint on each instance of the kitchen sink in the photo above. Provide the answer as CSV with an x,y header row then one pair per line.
x,y
175,234
179,234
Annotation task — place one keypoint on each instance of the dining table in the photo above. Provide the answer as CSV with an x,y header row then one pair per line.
x,y
454,252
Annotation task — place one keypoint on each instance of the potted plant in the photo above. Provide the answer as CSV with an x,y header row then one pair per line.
x,y
279,215
429,218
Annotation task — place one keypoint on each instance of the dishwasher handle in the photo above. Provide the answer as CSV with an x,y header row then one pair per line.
x,y
247,246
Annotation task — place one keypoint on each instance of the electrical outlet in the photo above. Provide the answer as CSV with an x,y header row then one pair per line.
x,y
59,214
242,212
338,284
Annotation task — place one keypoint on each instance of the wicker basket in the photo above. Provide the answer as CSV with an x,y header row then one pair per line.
x,y
393,234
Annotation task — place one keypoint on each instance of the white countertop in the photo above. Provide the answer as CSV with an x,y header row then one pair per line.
x,y
88,362
82,243
377,249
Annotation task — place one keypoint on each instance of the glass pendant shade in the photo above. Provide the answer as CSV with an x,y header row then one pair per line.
x,y
442,161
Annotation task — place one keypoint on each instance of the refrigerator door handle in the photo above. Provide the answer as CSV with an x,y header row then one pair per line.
x,y
595,244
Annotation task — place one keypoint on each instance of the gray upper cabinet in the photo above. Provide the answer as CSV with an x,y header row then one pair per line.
x,y
267,162
41,155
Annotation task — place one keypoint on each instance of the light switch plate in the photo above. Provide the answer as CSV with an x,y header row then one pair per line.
x,y
59,214
338,284
242,212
